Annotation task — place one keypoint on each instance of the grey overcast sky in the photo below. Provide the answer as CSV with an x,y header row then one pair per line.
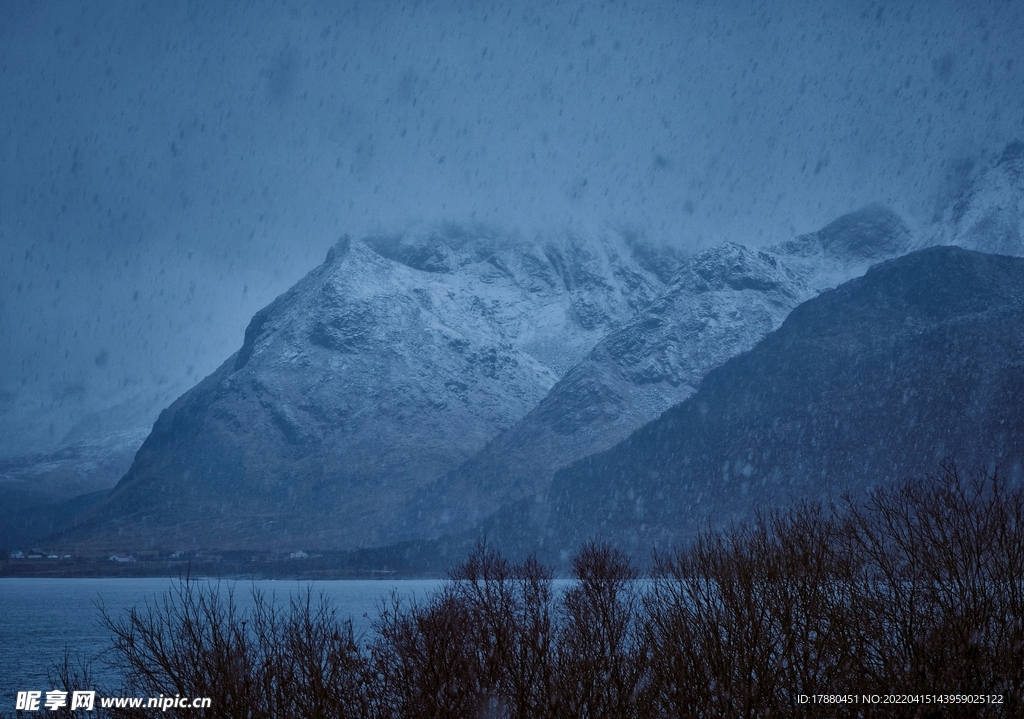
x,y
170,167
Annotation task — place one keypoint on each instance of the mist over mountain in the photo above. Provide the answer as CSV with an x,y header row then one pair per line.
x,y
412,385
988,214
40,493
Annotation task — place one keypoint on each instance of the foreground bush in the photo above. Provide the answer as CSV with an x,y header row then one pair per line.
x,y
918,590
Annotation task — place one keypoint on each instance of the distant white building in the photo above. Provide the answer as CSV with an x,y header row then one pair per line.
x,y
298,555
121,558
17,554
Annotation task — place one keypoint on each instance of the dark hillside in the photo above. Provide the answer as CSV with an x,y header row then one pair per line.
x,y
880,379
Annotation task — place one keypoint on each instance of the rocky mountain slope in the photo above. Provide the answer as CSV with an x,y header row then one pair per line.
x,y
392,363
883,377
720,304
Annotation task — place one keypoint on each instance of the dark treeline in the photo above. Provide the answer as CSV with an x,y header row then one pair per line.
x,y
916,590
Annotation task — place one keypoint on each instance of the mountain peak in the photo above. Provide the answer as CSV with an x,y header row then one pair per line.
x,y
869,234
435,249
391,363
338,249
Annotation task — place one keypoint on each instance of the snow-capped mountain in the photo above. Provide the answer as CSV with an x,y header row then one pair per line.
x,y
411,386
846,247
390,364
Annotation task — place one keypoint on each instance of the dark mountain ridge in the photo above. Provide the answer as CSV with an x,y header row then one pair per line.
x,y
919,360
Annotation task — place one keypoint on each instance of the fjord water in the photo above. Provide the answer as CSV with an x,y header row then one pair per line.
x,y
40,617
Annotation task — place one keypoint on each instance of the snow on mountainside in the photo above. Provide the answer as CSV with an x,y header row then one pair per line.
x,y
989,215
393,362
721,303
74,469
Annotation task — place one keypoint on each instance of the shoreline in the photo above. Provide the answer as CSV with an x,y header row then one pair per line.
x,y
312,569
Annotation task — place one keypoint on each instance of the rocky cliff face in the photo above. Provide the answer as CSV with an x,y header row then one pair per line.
x,y
919,360
392,363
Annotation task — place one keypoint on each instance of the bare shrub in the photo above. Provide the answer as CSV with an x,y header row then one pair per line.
x,y
938,588
740,623
916,590
480,647
602,658
422,662
266,662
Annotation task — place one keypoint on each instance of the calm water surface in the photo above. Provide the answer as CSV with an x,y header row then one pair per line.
x,y
39,617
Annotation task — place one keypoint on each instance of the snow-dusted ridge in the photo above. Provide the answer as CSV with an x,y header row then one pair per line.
x,y
720,303
390,364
